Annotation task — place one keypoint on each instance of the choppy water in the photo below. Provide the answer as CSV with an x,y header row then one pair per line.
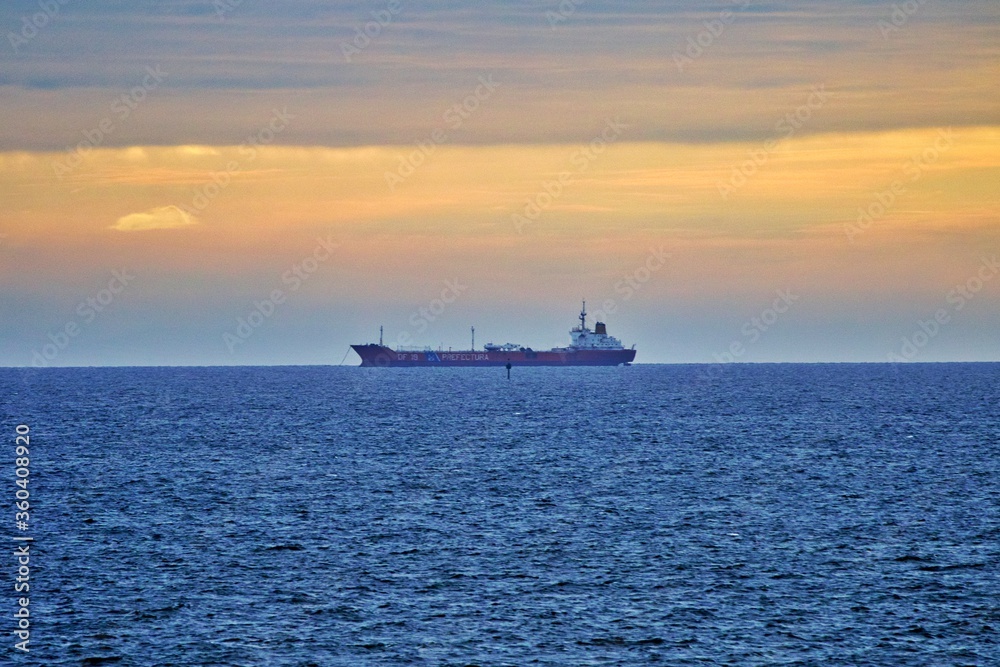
x,y
757,515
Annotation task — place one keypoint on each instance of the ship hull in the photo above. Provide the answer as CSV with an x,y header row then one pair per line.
x,y
379,355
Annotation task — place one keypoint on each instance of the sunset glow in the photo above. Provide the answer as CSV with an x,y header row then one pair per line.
x,y
858,169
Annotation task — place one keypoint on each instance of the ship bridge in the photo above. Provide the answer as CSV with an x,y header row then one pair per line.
x,y
582,338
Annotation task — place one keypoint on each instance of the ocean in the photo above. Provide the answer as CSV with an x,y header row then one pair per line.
x,y
787,514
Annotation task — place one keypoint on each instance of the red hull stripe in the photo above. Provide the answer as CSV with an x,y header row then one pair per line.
x,y
379,355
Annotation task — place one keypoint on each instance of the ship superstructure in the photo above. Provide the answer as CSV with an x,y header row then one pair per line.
x,y
584,339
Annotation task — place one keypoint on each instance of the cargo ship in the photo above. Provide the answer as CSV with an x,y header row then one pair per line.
x,y
586,348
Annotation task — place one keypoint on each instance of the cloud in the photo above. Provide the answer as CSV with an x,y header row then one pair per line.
x,y
558,82
163,217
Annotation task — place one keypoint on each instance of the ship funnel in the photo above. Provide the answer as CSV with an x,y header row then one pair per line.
x,y
599,328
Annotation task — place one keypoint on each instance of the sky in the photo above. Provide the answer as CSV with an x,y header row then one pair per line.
x,y
225,182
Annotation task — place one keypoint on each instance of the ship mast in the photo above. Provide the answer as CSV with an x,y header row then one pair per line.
x,y
583,316
380,336
473,339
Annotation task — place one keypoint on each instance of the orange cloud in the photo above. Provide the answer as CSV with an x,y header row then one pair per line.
x,y
163,217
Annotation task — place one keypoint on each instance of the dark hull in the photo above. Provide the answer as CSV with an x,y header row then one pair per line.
x,y
379,355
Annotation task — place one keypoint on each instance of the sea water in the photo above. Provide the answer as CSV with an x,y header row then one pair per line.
x,y
661,515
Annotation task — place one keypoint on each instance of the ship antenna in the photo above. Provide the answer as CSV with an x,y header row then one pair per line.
x,y
583,315
380,336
